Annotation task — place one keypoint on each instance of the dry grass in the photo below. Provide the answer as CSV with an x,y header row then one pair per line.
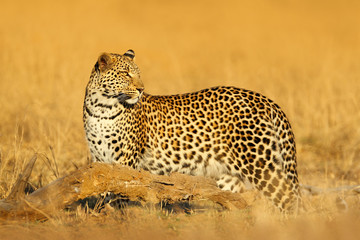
x,y
302,54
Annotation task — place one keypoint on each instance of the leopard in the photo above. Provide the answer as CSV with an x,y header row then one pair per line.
x,y
238,137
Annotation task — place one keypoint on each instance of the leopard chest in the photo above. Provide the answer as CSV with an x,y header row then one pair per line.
x,y
113,134
102,137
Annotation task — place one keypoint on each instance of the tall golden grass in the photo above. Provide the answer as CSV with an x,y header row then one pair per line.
x,y
302,54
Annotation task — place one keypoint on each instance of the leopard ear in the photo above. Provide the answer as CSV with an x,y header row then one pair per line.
x,y
104,62
130,53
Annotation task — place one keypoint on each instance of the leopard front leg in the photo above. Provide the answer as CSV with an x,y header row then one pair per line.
x,y
235,184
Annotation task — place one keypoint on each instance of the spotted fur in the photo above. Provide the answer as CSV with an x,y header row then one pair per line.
x,y
236,136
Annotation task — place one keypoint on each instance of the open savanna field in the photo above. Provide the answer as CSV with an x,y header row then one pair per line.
x,y
304,55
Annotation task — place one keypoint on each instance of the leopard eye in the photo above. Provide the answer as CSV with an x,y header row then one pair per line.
x,y
132,75
126,73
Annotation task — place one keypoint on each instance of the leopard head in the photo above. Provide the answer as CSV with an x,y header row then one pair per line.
x,y
117,77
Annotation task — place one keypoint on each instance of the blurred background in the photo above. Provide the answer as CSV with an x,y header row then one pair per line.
x,y
302,54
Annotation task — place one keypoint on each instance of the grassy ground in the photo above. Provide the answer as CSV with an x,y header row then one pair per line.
x,y
304,55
